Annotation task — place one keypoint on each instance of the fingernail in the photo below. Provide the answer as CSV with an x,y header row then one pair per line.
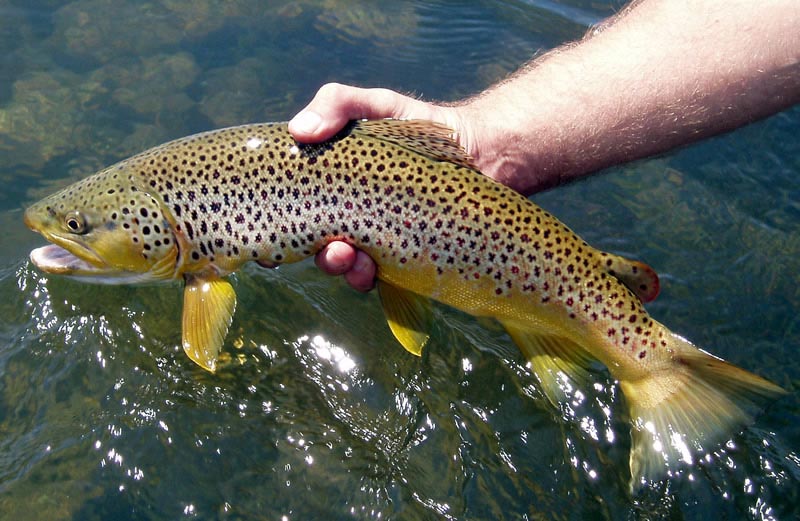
x,y
306,122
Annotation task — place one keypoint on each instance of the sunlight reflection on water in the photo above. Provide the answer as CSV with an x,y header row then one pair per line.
x,y
319,414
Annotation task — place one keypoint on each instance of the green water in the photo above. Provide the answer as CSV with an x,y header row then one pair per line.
x,y
322,415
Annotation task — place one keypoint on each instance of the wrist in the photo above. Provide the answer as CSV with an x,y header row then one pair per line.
x,y
511,137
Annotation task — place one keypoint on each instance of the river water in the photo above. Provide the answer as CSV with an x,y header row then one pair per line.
x,y
322,415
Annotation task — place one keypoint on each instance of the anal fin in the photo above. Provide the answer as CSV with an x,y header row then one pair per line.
x,y
559,364
409,316
208,306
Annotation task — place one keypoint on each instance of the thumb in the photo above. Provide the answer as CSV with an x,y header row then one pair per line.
x,y
335,104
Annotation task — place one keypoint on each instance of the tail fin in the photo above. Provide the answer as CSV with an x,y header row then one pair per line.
x,y
687,409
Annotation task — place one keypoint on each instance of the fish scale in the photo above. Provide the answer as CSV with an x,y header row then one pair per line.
x,y
251,193
199,207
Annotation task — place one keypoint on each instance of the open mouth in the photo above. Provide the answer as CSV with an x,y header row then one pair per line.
x,y
85,265
107,258
55,259
65,256
58,261
72,259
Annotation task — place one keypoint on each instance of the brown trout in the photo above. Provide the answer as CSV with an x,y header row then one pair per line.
x,y
198,208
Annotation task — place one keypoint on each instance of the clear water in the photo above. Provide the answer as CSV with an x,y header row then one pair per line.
x,y
325,417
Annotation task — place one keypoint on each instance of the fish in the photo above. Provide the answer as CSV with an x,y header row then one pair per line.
x,y
198,208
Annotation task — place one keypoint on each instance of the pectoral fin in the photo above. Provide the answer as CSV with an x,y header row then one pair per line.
x,y
409,316
208,306
559,364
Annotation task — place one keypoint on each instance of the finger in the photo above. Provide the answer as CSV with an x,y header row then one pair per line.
x,y
362,275
334,105
336,258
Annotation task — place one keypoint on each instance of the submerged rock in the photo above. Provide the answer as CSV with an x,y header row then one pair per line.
x,y
42,116
105,30
232,95
380,23
157,84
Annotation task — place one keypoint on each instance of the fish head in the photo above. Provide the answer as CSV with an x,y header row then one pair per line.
x,y
105,229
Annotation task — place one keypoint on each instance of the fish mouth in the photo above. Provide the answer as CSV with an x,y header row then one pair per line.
x,y
55,259
70,258
65,256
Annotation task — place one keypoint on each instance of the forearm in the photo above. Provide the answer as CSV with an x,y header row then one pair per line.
x,y
662,74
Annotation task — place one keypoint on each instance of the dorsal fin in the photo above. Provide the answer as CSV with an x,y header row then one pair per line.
x,y
423,137
637,276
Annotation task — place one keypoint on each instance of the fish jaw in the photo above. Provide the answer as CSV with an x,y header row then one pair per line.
x,y
102,258
54,259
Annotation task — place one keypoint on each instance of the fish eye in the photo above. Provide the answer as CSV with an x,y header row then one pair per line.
x,y
75,222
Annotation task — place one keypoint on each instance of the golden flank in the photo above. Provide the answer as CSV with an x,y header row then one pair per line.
x,y
198,208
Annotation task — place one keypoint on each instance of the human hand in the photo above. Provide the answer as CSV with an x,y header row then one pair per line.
x,y
330,110
335,104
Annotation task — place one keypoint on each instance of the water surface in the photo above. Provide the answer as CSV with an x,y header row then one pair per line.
x,y
320,414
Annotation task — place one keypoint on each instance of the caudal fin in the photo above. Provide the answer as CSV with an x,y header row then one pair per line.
x,y
688,409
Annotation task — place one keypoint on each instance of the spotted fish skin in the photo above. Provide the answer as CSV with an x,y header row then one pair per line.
x,y
436,228
198,208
